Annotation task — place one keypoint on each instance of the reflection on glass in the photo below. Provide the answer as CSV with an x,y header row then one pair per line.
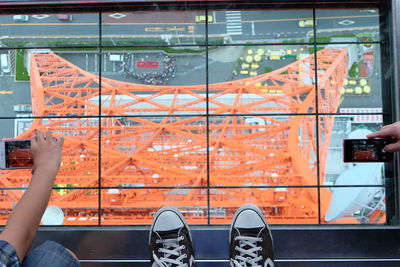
x,y
154,28
66,206
333,130
347,25
58,84
279,205
169,151
262,79
133,206
50,30
349,79
346,204
79,165
354,205
154,67
261,75
262,150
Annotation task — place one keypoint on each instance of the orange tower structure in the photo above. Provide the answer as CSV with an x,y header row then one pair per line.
x,y
162,140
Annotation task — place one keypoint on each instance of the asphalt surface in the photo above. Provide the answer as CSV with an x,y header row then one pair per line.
x,y
180,27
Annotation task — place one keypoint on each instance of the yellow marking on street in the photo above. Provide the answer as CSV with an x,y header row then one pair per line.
x,y
176,29
153,29
180,23
6,92
317,18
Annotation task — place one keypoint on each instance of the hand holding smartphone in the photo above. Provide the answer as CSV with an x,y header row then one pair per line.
x,y
15,154
366,150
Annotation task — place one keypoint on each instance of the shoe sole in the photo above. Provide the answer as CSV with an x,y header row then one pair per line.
x,y
253,208
174,210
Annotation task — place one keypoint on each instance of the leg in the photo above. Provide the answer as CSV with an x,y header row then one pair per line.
x,y
250,239
170,241
50,254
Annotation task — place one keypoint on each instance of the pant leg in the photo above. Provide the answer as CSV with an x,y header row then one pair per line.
x,y
50,254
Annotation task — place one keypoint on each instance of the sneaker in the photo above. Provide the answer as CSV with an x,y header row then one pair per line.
x,y
170,241
250,239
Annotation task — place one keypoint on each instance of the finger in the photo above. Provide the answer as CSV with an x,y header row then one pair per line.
x,y
392,147
61,141
49,136
33,140
382,133
39,136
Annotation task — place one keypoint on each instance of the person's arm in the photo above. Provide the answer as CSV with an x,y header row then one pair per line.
x,y
389,131
22,225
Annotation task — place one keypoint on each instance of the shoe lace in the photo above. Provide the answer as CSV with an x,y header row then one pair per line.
x,y
248,250
170,248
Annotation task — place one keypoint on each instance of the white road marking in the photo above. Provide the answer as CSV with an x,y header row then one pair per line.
x,y
95,62
41,16
104,62
117,15
346,22
233,22
253,31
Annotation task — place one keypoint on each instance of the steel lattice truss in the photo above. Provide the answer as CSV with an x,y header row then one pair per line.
x,y
242,133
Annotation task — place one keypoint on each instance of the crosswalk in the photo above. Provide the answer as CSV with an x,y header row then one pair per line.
x,y
233,22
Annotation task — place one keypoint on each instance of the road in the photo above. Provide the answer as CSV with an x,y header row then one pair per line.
x,y
240,26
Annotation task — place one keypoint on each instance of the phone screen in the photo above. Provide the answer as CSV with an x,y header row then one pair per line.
x,y
366,150
18,154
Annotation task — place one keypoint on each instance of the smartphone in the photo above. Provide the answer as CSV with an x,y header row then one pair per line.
x,y
366,150
15,154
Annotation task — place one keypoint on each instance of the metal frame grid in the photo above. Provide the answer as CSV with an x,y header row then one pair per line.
x,y
388,116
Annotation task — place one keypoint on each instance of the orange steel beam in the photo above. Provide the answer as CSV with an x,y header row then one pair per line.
x,y
255,138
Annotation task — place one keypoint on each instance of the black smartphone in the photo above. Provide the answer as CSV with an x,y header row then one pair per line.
x,y
366,150
15,154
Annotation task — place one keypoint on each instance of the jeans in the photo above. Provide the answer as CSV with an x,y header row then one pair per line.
x,y
50,254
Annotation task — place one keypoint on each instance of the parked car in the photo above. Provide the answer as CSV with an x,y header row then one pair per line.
x,y
202,19
64,17
307,23
23,108
5,65
20,18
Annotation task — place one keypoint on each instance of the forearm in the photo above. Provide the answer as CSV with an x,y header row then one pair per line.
x,y
23,223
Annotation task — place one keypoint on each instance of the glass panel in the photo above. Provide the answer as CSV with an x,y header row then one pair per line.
x,y
50,30
353,205
80,151
48,84
153,28
154,82
263,151
262,79
138,206
349,79
154,151
280,205
332,131
66,206
267,26
352,25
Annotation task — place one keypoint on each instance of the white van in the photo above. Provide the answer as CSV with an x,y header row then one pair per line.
x,y
5,67
21,18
